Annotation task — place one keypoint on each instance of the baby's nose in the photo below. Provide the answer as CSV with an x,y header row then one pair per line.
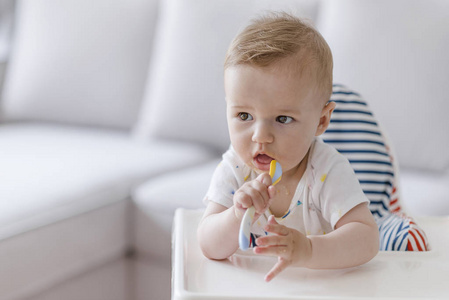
x,y
262,133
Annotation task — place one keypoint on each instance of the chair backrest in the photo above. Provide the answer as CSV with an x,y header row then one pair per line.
x,y
355,132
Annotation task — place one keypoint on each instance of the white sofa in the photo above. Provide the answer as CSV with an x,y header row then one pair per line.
x,y
112,116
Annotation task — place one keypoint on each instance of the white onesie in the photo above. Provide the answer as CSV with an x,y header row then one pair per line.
x,y
327,190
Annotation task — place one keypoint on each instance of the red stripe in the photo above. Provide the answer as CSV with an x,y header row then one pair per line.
x,y
416,240
397,209
423,239
392,202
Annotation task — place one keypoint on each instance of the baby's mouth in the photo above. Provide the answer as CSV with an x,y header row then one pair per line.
x,y
262,162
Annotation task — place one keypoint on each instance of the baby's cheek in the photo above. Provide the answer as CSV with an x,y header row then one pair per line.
x,y
297,153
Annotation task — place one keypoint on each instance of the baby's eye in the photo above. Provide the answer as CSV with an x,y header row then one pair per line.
x,y
284,119
245,116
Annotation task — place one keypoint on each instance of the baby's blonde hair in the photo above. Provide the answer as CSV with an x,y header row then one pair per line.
x,y
275,36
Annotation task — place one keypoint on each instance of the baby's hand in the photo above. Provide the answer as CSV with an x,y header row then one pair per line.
x,y
289,245
257,193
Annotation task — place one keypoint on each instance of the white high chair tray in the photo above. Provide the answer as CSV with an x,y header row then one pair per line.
x,y
390,275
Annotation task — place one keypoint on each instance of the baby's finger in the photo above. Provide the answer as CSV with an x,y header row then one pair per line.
x,y
243,199
257,199
278,268
279,251
277,229
260,196
271,240
247,194
265,179
272,220
271,191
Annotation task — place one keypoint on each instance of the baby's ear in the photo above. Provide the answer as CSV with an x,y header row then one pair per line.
x,y
325,118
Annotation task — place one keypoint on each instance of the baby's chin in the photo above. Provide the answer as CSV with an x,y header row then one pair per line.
x,y
258,171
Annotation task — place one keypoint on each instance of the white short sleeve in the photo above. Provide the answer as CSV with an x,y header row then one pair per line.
x,y
340,193
336,189
228,177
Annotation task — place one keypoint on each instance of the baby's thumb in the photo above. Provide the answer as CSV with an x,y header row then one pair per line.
x,y
271,191
265,179
272,220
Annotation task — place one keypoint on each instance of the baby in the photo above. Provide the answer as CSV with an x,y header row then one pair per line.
x,y
278,82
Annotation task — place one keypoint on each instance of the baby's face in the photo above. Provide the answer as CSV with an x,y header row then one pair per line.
x,y
271,115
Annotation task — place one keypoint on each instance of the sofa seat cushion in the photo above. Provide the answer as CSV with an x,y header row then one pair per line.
x,y
61,190
425,193
39,260
155,203
50,173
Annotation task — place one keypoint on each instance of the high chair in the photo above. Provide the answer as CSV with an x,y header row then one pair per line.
x,y
390,275
413,261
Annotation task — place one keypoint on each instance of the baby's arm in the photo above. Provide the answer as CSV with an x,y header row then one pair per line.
x,y
217,231
354,241
219,228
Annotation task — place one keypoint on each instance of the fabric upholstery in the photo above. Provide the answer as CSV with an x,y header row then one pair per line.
x,y
355,132
394,52
50,173
186,80
79,62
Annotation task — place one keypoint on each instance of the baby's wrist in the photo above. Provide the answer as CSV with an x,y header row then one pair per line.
x,y
237,213
308,263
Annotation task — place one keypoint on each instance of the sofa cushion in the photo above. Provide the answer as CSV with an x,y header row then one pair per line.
x,y
56,183
425,193
107,282
155,203
81,62
395,54
185,85
6,21
50,173
45,257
